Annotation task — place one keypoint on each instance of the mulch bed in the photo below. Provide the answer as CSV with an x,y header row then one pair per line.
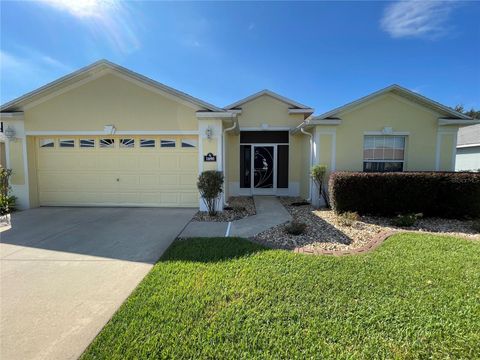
x,y
239,208
327,233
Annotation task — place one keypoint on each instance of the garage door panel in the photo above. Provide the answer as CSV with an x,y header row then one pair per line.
x,y
117,176
168,179
107,162
148,180
168,162
188,162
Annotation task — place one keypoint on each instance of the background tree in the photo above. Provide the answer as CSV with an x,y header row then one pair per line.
x,y
475,114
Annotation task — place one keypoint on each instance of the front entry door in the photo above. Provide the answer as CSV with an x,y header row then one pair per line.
x,y
263,169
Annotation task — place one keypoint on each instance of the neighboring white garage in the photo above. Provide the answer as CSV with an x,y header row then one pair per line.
x,y
117,170
468,149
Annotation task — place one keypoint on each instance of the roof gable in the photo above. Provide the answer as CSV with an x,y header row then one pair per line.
x,y
399,91
88,73
293,104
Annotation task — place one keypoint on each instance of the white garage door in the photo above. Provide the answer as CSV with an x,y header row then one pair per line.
x,y
117,170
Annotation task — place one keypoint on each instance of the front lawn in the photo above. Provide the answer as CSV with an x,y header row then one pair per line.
x,y
417,296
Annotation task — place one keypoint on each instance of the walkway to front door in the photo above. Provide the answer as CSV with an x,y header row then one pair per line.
x,y
270,213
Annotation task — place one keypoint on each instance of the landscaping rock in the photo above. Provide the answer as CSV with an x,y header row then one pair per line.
x,y
326,231
239,207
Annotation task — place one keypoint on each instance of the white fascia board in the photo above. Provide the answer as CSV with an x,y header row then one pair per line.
x,y
17,115
386,90
269,93
98,66
314,122
133,132
301,111
215,114
324,122
443,121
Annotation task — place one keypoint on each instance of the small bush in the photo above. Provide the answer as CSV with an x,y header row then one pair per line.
x,y
406,220
348,218
210,186
295,227
441,194
7,201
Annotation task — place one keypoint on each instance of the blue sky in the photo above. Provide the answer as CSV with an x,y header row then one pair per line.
x,y
322,54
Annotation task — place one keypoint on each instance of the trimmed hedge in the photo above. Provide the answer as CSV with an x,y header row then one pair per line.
x,y
442,194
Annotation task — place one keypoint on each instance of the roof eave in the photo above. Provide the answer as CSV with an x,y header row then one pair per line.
x,y
99,66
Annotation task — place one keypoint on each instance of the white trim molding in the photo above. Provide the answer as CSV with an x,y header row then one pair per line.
x,y
134,132
467,145
100,68
445,121
215,114
16,115
268,128
271,94
301,111
309,123
441,132
381,132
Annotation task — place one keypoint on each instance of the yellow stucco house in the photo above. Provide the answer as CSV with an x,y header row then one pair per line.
x,y
106,136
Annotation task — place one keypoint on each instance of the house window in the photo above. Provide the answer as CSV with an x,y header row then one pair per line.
x,y
45,143
167,143
189,143
87,143
127,143
67,143
147,143
107,143
383,153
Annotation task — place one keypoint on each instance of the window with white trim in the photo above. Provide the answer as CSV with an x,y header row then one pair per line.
x,y
66,143
87,143
147,143
46,143
167,143
107,143
189,143
383,153
127,143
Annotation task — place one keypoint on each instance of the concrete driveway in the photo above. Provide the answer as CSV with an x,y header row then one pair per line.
x,y
65,271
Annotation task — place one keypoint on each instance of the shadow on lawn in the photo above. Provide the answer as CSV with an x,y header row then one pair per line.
x,y
211,249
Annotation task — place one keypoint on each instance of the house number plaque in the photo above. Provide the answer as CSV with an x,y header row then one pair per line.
x,y
210,157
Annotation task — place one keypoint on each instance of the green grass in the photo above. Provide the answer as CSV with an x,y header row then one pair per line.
x,y
416,296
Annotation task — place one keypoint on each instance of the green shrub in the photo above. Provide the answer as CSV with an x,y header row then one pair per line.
x,y
210,186
295,227
348,218
7,201
442,194
406,220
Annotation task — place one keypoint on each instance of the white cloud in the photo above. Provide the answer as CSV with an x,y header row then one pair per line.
x,y
425,19
110,19
251,26
27,70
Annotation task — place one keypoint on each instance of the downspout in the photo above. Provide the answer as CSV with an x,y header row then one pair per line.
x,y
223,160
311,163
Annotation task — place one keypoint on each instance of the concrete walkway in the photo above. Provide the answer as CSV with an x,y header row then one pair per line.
x,y
65,271
270,213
